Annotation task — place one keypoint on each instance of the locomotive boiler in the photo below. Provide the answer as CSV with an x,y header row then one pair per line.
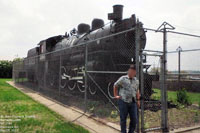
x,y
59,61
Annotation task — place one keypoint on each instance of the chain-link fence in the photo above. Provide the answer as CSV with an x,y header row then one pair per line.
x,y
183,87
82,75
151,94
182,82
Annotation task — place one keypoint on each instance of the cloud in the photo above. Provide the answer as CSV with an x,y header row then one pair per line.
x,y
25,22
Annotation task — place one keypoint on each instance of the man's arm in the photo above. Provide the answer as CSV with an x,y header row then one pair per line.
x,y
138,95
116,86
115,91
138,98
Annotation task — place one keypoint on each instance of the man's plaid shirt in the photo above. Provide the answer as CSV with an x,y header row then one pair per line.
x,y
127,88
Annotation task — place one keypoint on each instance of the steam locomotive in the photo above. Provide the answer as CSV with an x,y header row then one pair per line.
x,y
60,60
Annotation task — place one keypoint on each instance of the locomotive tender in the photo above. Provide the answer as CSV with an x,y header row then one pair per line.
x,y
63,57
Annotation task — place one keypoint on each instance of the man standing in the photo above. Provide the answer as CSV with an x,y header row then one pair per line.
x,y
128,96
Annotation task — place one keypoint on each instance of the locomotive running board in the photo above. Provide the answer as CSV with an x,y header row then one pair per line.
x,y
64,76
76,78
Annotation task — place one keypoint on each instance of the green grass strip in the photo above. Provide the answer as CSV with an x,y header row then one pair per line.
x,y
35,117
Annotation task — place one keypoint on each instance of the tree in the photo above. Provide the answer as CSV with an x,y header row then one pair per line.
x,y
5,69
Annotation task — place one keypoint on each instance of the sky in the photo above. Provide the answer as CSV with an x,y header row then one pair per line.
x,y
24,23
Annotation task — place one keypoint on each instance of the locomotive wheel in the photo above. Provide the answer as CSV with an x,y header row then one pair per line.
x,y
92,89
80,85
110,90
64,79
71,85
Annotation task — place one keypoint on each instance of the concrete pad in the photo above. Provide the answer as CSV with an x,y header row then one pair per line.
x,y
70,114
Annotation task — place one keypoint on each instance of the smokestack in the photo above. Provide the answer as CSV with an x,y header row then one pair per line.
x,y
117,14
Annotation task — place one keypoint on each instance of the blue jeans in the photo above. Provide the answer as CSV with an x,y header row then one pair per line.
x,y
125,109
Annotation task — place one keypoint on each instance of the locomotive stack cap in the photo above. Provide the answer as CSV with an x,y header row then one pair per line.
x,y
132,67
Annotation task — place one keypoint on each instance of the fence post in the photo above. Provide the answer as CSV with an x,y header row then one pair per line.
x,y
38,78
142,92
60,62
163,87
45,72
164,115
179,49
137,54
23,71
86,85
13,71
36,72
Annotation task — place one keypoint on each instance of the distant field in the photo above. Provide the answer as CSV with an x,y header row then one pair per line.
x,y
194,97
34,117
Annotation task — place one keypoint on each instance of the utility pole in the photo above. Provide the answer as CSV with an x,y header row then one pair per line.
x,y
164,107
179,49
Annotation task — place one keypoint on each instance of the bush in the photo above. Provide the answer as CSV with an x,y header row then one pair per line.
x,y
182,97
114,114
103,112
5,69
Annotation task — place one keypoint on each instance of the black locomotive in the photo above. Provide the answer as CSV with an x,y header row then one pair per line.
x,y
60,60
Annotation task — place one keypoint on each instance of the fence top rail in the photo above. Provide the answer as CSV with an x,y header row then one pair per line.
x,y
151,54
148,50
174,32
187,50
107,72
84,43
185,34
184,74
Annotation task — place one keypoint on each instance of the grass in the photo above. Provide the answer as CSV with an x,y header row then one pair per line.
x,y
34,117
172,96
